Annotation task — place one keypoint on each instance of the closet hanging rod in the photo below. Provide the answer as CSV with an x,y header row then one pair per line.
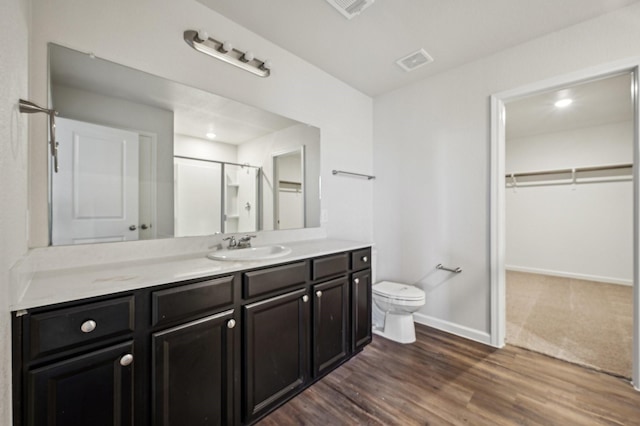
x,y
576,170
342,172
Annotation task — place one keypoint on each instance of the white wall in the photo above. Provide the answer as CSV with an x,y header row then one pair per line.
x,y
581,231
147,35
587,146
122,114
14,33
189,146
432,161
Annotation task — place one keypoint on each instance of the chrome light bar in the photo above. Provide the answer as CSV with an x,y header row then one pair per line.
x,y
224,51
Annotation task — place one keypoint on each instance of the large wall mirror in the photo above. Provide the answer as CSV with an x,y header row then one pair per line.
x,y
142,157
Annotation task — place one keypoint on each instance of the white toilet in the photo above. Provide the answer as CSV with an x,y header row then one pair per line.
x,y
393,308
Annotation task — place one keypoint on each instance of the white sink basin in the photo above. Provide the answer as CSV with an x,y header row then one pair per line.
x,y
252,253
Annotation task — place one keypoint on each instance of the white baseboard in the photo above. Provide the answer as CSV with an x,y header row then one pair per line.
x,y
607,280
449,327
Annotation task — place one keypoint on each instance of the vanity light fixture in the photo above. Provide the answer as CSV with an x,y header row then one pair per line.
x,y
562,103
225,51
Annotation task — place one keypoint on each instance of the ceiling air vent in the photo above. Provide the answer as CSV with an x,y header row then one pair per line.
x,y
350,8
414,60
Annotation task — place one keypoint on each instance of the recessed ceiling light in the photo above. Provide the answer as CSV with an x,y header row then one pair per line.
x,y
211,135
563,103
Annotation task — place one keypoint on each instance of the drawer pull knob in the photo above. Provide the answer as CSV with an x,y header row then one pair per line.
x,y
365,259
356,281
305,298
319,294
88,326
231,323
126,360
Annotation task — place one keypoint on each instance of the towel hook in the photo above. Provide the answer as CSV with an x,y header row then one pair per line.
x,y
28,107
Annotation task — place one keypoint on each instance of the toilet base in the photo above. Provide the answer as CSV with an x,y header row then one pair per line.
x,y
398,327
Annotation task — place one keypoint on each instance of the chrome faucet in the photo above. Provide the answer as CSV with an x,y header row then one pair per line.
x,y
232,242
245,242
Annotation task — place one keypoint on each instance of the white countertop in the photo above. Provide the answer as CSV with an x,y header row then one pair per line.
x,y
46,287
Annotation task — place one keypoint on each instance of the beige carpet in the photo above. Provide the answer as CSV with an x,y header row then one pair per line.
x,y
584,322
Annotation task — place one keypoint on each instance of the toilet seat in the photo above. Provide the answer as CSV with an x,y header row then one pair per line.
x,y
398,293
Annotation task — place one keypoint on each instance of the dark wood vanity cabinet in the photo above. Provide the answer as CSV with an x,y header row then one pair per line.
x,y
275,351
74,364
192,353
330,324
90,389
361,309
223,350
192,372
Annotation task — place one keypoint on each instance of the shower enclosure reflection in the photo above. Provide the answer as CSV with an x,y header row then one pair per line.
x,y
213,197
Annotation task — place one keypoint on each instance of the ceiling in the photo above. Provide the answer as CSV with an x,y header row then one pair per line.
x,y
195,112
595,103
362,51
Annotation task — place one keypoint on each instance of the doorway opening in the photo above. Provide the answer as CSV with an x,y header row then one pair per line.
x,y
569,223
548,177
289,186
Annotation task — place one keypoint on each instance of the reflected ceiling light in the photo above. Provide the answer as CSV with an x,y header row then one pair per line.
x,y
210,135
225,51
562,103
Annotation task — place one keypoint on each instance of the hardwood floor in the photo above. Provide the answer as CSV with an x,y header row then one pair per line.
x,y
446,380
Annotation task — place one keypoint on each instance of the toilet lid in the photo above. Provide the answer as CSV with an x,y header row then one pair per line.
x,y
397,291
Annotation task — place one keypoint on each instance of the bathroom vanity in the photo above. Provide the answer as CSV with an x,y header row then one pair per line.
x,y
221,348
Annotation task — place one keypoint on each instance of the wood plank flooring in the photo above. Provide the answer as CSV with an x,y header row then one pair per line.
x,y
446,380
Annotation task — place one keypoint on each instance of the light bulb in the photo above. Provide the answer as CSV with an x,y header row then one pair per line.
x,y
266,64
563,103
210,135
202,35
248,56
227,47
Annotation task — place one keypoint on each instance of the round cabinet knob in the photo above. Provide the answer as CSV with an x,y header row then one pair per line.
x,y
365,259
305,298
144,226
231,323
133,228
88,326
126,360
356,281
319,294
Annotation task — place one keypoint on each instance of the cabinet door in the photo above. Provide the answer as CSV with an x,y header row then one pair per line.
x,y
93,389
193,372
275,351
330,324
360,309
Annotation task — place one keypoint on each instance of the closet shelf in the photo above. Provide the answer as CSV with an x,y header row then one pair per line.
x,y
590,174
576,170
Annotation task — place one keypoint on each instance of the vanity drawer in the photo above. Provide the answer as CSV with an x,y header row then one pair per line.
x,y
267,280
361,259
67,328
330,266
189,300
